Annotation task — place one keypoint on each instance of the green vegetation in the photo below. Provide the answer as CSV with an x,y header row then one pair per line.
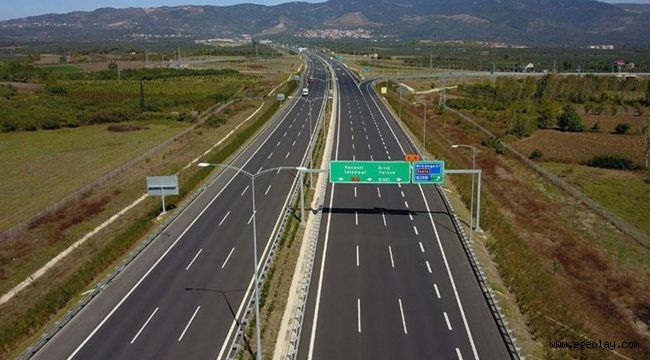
x,y
624,193
612,161
535,155
476,56
59,295
97,98
622,128
520,106
83,154
570,120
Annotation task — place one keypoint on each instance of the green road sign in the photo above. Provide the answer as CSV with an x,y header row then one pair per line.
x,y
428,172
370,172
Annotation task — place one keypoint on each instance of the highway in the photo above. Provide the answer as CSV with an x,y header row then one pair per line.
x,y
390,279
179,297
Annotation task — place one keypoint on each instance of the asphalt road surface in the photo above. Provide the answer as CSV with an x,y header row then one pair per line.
x,y
178,299
391,280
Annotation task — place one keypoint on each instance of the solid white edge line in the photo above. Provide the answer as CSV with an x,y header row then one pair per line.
x,y
401,311
144,326
224,218
435,287
227,258
194,258
189,323
390,252
444,313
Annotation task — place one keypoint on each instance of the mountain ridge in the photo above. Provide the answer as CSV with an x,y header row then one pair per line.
x,y
523,21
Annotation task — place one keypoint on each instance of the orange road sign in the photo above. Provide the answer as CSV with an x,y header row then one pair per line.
x,y
412,157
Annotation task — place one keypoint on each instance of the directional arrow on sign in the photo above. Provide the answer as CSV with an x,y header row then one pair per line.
x,y
340,179
399,179
369,179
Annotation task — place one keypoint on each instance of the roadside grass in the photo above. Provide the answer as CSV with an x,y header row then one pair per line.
x,y
624,192
576,148
567,268
41,167
39,305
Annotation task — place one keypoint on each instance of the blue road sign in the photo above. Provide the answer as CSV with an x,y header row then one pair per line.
x,y
428,172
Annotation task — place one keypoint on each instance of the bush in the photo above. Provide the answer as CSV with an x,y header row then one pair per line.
x,y
612,161
9,126
50,124
596,127
570,120
535,155
546,118
622,128
521,126
55,90
494,143
7,91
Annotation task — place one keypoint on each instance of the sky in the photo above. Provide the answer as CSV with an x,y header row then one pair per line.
x,y
10,9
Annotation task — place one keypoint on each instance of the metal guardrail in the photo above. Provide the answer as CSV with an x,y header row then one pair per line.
x,y
495,309
82,303
248,313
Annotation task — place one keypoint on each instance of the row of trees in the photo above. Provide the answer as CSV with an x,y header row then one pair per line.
x,y
578,90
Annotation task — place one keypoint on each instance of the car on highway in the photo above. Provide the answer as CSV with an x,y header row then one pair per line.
x,y
305,92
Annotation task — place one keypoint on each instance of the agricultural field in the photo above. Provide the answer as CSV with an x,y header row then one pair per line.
x,y
41,167
468,55
88,100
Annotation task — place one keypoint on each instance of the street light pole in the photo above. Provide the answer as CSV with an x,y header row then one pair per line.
x,y
258,338
311,135
471,206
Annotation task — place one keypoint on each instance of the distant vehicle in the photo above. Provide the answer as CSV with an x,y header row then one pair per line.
x,y
305,92
311,79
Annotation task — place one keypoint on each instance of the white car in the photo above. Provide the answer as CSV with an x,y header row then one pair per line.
x,y
305,92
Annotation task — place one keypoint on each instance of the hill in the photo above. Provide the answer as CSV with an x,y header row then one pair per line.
x,y
524,21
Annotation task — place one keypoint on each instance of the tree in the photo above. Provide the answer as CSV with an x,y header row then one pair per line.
x,y
547,118
570,120
639,109
622,128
